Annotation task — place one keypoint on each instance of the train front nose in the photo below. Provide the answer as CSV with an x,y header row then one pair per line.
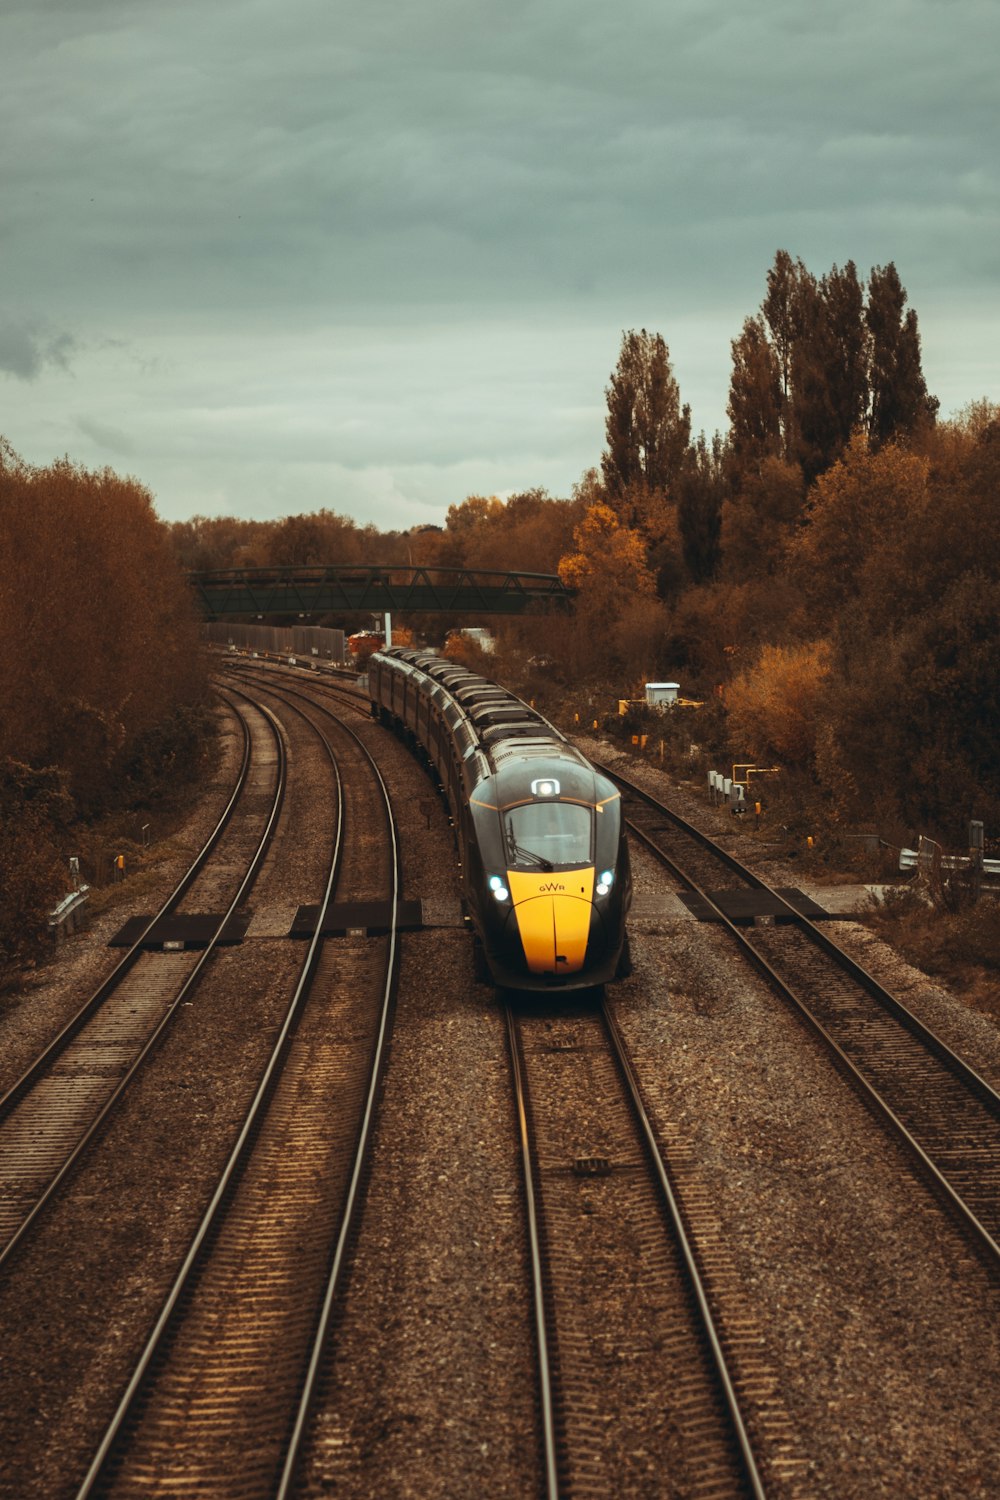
x,y
552,913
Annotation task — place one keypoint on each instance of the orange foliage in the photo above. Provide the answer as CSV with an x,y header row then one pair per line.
x,y
775,706
98,633
608,555
619,624
858,514
467,651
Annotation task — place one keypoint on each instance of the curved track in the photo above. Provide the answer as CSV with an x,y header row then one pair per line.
x,y
49,1117
220,1397
945,1114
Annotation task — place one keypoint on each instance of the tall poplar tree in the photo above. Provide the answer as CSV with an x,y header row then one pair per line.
x,y
647,428
756,398
780,310
899,399
829,373
699,508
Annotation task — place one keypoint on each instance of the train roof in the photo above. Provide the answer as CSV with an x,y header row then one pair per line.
x,y
485,715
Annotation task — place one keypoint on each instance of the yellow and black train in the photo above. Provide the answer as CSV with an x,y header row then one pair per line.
x,y
541,835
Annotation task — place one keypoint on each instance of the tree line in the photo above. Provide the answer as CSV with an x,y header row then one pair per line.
x,y
830,568
825,574
104,687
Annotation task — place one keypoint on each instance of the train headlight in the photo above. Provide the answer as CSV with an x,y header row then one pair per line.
x,y
605,882
546,787
500,891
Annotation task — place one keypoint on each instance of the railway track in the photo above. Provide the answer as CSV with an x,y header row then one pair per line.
x,y
946,1116
52,1113
327,685
222,1392
600,1194
239,1384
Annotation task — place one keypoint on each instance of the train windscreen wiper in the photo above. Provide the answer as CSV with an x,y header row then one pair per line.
x,y
527,856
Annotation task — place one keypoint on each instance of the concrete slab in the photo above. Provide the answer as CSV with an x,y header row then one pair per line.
x,y
842,899
272,921
647,907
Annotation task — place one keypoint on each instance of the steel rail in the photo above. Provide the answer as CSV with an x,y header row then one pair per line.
x,y
871,1096
339,1255
154,1037
966,1074
339,689
234,1166
688,1252
58,1044
340,1249
549,1440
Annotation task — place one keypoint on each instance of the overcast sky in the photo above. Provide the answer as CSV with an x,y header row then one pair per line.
x,y
273,255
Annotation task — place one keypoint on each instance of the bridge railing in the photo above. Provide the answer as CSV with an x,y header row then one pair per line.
x,y
374,587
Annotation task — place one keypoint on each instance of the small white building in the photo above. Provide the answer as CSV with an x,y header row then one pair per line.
x,y
661,694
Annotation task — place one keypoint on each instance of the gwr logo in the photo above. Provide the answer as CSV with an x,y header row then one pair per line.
x,y
552,886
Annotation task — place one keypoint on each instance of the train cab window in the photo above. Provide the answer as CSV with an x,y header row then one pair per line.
x,y
541,835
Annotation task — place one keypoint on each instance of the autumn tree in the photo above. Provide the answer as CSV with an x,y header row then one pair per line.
x,y
899,400
760,520
757,398
776,704
647,428
780,311
298,542
913,724
34,811
209,543
316,539
97,625
857,515
913,720
718,627
701,493
829,394
820,361
473,513
619,623
529,531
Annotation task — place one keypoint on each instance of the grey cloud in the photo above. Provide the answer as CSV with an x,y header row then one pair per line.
x,y
407,153
27,347
403,239
107,438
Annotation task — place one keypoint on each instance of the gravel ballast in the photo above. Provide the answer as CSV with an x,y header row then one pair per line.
x,y
878,1324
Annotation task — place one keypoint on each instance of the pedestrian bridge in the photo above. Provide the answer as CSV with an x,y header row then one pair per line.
x,y
374,589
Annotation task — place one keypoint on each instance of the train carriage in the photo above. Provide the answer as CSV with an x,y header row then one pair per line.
x,y
545,866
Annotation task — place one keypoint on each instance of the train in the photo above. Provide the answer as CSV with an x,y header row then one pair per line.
x,y
546,880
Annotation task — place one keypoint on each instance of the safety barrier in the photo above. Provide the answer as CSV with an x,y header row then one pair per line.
x,y
68,916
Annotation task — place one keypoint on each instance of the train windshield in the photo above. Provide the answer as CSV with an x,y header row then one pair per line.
x,y
541,835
